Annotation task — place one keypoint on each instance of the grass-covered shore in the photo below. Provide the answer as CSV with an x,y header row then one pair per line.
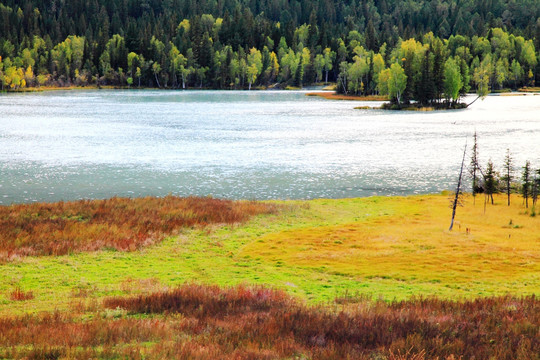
x,y
389,247
327,275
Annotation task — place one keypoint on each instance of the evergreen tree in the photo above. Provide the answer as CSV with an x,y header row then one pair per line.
x,y
371,37
526,183
508,170
474,166
535,187
490,181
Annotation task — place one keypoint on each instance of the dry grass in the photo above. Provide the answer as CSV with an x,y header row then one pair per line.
x,y
207,322
500,247
530,89
118,223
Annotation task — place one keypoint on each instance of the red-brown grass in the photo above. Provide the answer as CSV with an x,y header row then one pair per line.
x,y
206,322
204,301
19,295
118,223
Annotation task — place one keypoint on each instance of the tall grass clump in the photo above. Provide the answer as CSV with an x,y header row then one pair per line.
x,y
203,322
20,295
118,223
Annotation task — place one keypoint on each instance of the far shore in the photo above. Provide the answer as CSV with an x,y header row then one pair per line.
x,y
325,94
334,96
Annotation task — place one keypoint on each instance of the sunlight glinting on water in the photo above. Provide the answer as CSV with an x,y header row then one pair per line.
x,y
238,144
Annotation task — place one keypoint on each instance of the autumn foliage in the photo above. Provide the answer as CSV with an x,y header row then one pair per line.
x,y
117,223
208,322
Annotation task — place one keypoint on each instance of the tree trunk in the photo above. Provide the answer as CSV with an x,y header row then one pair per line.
x,y
478,97
508,185
456,198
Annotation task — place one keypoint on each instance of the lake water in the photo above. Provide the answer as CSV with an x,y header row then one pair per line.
x,y
244,145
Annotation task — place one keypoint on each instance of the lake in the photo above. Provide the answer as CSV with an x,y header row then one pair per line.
x,y
67,145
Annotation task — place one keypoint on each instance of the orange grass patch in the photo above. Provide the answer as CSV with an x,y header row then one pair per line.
x,y
19,295
207,322
530,89
333,96
118,223
413,243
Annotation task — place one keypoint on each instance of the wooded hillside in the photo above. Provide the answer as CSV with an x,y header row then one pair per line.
x,y
239,44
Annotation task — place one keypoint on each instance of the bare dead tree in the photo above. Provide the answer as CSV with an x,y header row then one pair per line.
x,y
458,189
474,167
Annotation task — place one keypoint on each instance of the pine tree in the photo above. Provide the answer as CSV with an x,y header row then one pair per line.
x,y
508,169
490,181
371,38
474,166
535,187
526,182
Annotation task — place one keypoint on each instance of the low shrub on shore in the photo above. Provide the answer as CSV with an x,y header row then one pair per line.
x,y
118,223
202,322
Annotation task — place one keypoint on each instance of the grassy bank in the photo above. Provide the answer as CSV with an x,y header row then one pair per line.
x,y
389,247
329,278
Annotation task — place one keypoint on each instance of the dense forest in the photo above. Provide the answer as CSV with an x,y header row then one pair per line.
x,y
426,50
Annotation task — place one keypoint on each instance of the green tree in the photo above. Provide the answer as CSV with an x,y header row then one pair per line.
x,y
273,69
356,73
516,73
508,168
254,63
138,74
318,66
378,66
156,70
501,72
481,78
105,63
132,61
474,166
535,187
526,182
452,81
329,57
490,181
397,82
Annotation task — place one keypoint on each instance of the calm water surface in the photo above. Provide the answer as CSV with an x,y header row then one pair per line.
x,y
250,145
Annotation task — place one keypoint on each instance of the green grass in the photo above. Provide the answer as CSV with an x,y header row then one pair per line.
x,y
407,237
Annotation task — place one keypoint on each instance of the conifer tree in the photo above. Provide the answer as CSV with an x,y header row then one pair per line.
x,y
526,183
508,169
490,181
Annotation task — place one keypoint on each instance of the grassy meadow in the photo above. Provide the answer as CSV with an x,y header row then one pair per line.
x,y
371,260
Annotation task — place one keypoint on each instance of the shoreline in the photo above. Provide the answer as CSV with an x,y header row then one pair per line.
x,y
325,93
333,96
